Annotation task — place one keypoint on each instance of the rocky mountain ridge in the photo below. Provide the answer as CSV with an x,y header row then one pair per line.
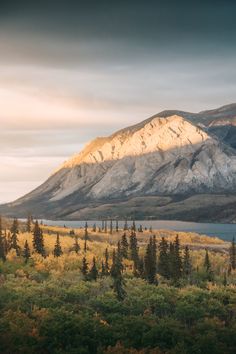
x,y
173,153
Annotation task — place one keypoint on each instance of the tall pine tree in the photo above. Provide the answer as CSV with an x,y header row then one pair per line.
x,y
76,246
207,266
26,252
86,236
133,227
187,264
111,227
2,245
172,261
207,263
105,227
232,254
84,269
28,223
163,260
125,226
38,240
1,233
150,262
106,263
103,272
133,245
119,256
116,274
177,258
93,273
2,249
14,237
117,226
124,246
57,252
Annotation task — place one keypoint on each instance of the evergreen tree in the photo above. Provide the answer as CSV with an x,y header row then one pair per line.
x,y
106,264
117,226
172,261
93,273
2,245
85,246
84,269
119,256
113,261
116,274
1,233
163,261
187,264
38,240
150,262
76,246
26,252
124,246
133,227
140,229
102,225
28,223
6,245
14,239
103,271
111,227
177,258
207,263
150,229
15,227
141,270
57,252
94,227
207,266
7,241
125,226
133,245
86,237
154,252
232,254
2,249
105,228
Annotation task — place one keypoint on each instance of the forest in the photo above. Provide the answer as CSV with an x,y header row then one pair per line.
x,y
115,289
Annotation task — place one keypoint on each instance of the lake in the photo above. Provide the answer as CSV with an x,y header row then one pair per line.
x,y
224,231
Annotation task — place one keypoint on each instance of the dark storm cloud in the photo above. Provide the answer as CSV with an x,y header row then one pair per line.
x,y
120,28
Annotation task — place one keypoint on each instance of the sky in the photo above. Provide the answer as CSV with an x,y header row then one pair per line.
x,y
74,70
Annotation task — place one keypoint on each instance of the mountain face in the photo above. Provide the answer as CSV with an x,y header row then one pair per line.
x,y
166,159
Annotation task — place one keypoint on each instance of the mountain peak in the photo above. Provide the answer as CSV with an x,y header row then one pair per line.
x,y
168,154
154,134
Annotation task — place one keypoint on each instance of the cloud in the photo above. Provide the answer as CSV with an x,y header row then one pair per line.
x,y
73,70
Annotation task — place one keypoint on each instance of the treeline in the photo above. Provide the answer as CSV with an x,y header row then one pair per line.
x,y
164,259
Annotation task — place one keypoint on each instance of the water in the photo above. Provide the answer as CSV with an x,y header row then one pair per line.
x,y
223,231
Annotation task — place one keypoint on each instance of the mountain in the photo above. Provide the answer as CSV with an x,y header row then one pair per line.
x,y
172,165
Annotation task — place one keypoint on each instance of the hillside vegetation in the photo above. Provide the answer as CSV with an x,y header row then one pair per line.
x,y
115,291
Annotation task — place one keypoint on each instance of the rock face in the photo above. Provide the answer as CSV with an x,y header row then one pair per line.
x,y
162,156
166,155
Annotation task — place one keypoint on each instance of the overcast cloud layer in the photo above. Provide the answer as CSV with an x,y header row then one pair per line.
x,y
72,70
